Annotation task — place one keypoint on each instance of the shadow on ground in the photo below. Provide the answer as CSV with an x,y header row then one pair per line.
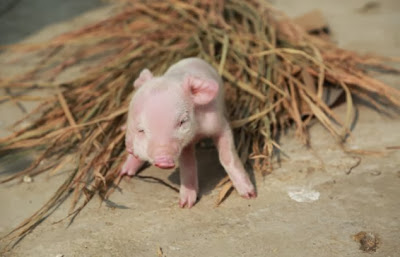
x,y
14,161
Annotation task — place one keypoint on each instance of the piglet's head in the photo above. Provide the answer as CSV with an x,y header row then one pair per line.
x,y
161,119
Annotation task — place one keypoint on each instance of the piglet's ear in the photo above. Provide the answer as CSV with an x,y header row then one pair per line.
x,y
144,76
202,91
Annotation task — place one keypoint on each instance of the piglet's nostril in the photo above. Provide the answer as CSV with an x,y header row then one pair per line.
x,y
164,162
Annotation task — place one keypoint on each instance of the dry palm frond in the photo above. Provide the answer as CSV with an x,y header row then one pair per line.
x,y
274,73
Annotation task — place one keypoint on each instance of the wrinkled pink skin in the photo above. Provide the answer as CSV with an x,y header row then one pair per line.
x,y
169,114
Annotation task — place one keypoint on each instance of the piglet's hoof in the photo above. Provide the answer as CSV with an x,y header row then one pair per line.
x,y
127,172
131,166
246,190
188,197
250,195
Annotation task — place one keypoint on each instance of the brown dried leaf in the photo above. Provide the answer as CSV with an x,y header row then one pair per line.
x,y
226,189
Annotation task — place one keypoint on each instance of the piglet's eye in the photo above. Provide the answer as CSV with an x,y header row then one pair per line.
x,y
183,121
141,130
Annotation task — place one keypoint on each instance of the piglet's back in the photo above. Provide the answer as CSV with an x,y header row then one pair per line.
x,y
194,66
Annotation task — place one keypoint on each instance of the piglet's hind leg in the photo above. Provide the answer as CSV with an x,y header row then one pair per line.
x,y
131,165
232,164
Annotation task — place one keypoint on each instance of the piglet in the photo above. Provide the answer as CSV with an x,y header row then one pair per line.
x,y
169,114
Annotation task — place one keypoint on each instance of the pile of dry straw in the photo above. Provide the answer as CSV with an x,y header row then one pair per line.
x,y
275,75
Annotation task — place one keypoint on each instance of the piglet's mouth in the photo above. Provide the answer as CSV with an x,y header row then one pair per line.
x,y
164,162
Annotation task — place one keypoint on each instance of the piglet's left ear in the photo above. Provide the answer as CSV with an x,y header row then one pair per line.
x,y
202,91
144,76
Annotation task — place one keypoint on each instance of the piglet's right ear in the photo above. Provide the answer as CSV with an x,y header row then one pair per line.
x,y
202,91
144,76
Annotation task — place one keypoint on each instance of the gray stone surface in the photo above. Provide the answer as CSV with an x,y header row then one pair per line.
x,y
22,18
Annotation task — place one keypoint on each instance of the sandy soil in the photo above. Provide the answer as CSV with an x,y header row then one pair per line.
x,y
144,217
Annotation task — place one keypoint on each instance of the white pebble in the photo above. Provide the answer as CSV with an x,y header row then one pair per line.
x,y
303,195
27,179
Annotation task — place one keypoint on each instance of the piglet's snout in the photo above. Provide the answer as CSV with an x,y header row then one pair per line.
x,y
164,156
164,162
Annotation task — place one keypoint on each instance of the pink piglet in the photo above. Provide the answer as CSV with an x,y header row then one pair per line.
x,y
169,114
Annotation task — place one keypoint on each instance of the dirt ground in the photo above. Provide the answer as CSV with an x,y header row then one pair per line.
x,y
347,194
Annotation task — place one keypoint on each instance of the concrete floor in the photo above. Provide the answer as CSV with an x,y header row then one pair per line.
x,y
145,216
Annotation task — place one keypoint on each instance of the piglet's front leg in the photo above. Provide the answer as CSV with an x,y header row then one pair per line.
x,y
131,165
188,176
232,164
